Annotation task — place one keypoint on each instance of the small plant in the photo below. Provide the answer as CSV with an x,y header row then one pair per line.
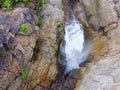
x,y
41,2
23,74
38,6
54,47
35,52
7,4
25,1
24,27
40,21
16,1
2,52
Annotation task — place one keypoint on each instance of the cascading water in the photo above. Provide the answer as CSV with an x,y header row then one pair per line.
x,y
74,50
74,40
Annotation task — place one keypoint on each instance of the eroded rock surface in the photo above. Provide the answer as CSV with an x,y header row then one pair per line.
x,y
16,48
44,69
102,27
103,70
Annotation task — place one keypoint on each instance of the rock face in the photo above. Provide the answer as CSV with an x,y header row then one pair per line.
x,y
44,69
103,19
16,47
102,28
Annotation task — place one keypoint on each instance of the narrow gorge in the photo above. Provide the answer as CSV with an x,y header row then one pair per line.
x,y
60,45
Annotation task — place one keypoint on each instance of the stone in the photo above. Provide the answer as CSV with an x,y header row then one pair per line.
x,y
32,42
2,27
102,70
15,84
44,69
19,47
16,49
23,40
57,4
28,53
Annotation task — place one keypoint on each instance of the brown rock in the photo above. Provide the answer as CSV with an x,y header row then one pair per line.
x,y
57,4
32,42
103,70
28,53
17,47
23,40
44,68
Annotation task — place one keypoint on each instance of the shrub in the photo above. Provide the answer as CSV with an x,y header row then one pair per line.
x,y
23,74
7,4
25,1
35,52
16,1
24,28
40,21
41,2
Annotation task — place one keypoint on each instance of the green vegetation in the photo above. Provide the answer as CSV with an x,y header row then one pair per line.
x,y
54,47
61,56
8,3
16,1
35,52
23,74
38,6
25,1
41,2
60,25
24,28
40,21
2,52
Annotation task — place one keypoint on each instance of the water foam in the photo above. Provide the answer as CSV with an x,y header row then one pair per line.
x,y
74,38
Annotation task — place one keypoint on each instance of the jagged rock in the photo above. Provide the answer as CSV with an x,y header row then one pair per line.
x,y
16,48
103,69
44,69
102,27
23,40
57,3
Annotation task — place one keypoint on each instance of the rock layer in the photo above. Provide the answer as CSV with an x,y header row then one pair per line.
x,y
101,24
16,47
44,70
102,71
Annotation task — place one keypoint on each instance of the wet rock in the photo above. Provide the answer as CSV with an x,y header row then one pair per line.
x,y
66,81
103,67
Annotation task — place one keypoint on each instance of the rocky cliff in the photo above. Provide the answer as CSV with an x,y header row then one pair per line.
x,y
100,19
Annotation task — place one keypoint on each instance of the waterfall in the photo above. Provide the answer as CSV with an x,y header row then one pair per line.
x,y
74,40
74,49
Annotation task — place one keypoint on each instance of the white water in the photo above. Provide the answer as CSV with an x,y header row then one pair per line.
x,y
74,38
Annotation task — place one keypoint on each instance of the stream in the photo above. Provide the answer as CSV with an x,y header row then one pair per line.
x,y
74,44
74,49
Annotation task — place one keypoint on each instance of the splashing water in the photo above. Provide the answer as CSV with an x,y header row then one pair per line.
x,y
74,40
